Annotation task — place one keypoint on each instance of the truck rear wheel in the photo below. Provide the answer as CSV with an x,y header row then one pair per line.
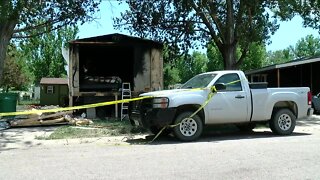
x,y
283,122
188,128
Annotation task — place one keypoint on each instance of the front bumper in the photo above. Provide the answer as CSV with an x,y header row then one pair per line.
x,y
153,117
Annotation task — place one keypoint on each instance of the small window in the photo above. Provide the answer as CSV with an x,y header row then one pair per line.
x,y
49,89
232,82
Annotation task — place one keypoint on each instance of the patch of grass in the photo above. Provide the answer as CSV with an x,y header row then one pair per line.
x,y
99,128
262,125
29,102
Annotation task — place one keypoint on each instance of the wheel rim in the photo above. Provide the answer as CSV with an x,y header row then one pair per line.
x,y
188,127
284,122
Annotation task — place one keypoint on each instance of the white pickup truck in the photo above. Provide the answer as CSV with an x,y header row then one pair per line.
x,y
234,101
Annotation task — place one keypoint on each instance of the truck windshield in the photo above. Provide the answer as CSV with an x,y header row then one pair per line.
x,y
199,81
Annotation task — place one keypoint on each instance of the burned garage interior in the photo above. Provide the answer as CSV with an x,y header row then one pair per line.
x,y
98,67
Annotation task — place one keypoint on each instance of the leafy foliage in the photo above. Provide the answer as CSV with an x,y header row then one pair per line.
x,y
307,47
182,68
309,10
43,53
215,58
54,14
232,24
15,75
190,65
279,56
171,75
255,58
27,18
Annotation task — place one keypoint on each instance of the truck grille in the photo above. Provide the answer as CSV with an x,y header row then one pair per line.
x,y
146,103
142,105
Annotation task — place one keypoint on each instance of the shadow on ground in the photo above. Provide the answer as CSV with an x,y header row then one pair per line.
x,y
311,121
214,134
14,138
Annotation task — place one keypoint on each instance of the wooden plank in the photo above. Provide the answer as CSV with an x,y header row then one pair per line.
x,y
41,117
278,77
37,120
53,121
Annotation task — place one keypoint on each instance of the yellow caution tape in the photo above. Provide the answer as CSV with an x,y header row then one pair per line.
x,y
74,107
210,95
35,111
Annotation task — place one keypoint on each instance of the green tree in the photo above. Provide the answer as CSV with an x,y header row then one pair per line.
x,y
307,47
15,74
43,53
25,18
307,9
171,72
255,58
191,65
231,24
171,75
279,56
214,57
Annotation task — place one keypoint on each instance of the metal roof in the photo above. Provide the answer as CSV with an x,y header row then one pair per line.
x,y
115,38
54,81
284,65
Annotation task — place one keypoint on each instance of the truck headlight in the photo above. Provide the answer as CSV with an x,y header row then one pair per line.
x,y
160,102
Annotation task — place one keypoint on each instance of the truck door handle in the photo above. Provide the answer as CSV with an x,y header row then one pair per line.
x,y
239,97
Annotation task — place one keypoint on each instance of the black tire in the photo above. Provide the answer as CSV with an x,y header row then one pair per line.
x,y
283,122
315,111
188,129
246,127
155,130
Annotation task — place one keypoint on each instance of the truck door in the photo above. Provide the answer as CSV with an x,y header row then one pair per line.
x,y
231,104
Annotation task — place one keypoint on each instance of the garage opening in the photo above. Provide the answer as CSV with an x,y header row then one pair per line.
x,y
104,67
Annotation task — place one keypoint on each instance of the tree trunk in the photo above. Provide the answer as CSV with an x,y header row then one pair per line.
x,y
229,46
229,57
6,31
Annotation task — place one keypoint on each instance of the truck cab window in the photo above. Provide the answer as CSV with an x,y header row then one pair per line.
x,y
228,78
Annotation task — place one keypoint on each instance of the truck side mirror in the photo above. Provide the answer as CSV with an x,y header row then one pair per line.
x,y
219,87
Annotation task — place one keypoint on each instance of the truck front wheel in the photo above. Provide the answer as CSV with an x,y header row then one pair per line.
x,y
187,128
283,122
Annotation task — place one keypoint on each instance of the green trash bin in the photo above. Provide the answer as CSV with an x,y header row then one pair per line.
x,y
8,102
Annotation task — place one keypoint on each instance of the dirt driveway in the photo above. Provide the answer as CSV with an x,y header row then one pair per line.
x,y
24,138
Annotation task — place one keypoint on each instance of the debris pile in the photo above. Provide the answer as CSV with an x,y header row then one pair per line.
x,y
55,118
